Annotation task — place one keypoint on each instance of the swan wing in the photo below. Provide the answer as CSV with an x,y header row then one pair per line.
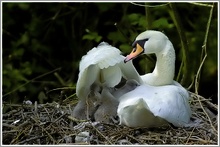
x,y
85,80
104,56
111,76
136,113
167,102
103,65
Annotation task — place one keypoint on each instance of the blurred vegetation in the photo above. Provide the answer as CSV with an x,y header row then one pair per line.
x,y
44,42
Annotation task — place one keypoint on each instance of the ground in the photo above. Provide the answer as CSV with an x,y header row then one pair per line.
x,y
52,123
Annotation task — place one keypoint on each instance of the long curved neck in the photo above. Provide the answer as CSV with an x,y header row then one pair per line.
x,y
164,70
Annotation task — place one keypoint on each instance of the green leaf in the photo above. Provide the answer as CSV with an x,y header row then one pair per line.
x,y
23,6
134,18
162,23
125,48
116,37
92,36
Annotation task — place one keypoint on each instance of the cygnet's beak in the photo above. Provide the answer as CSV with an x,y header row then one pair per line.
x,y
135,53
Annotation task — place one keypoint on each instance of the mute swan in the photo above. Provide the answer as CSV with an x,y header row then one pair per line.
x,y
160,99
103,66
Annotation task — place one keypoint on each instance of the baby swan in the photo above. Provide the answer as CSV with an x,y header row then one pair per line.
x,y
108,101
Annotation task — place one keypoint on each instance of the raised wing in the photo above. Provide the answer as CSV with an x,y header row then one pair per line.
x,y
104,66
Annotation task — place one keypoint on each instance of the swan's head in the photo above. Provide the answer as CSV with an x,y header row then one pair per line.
x,y
147,42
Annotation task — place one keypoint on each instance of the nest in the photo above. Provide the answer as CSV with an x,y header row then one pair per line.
x,y
53,124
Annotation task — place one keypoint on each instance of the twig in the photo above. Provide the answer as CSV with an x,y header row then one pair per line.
x,y
102,135
8,125
72,95
11,131
44,130
197,75
204,53
62,88
190,135
75,120
179,73
30,139
145,5
132,137
148,18
200,140
59,79
207,101
207,116
59,117
123,34
32,80
186,67
201,4
191,85
212,105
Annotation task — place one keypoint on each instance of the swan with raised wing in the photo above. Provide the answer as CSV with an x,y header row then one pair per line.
x,y
102,66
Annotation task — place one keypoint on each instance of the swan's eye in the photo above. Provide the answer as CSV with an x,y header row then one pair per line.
x,y
146,39
142,42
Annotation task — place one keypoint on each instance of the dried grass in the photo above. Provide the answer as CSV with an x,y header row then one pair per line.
x,y
52,123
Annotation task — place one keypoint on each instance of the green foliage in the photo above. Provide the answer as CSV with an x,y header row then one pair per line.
x,y
92,36
41,37
162,23
137,19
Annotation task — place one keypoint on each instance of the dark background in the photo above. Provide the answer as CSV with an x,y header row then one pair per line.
x,y
41,37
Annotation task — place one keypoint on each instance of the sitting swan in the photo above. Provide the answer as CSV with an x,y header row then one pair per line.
x,y
160,99
102,66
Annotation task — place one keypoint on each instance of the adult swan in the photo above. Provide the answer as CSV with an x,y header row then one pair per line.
x,y
160,99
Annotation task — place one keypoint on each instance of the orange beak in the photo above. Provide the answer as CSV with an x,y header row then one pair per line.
x,y
135,53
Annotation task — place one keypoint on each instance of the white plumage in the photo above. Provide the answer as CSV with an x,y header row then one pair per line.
x,y
146,104
150,100
103,66
160,98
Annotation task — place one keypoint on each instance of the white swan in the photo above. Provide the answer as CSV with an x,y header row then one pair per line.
x,y
160,99
103,66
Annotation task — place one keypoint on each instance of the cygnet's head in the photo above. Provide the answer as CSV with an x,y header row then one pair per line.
x,y
131,84
147,42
